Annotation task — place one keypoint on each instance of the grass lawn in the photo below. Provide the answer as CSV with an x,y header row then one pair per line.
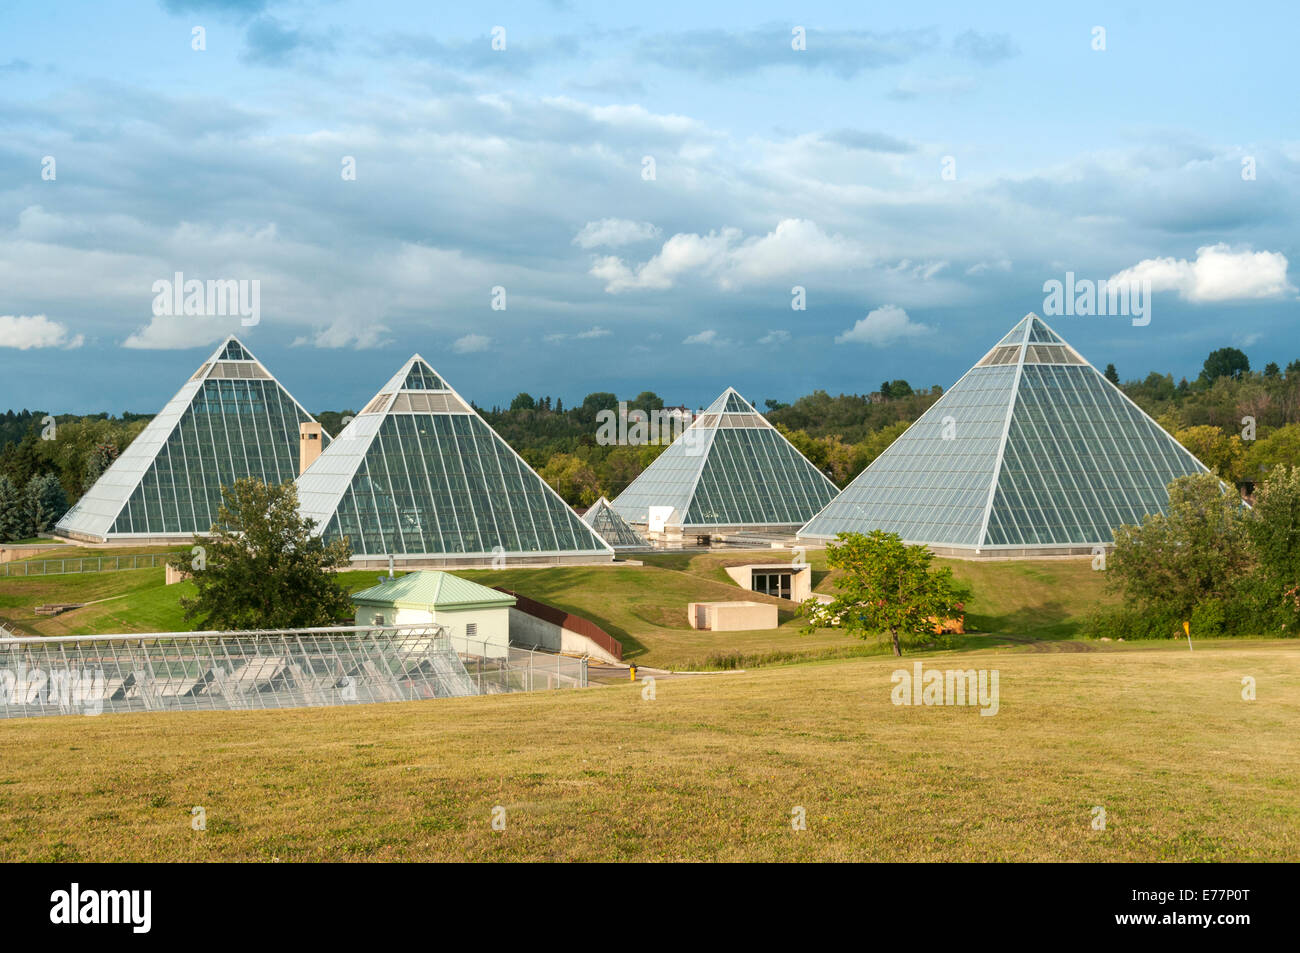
x,y
644,607
708,770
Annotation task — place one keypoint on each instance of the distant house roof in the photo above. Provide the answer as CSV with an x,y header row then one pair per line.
x,y
434,590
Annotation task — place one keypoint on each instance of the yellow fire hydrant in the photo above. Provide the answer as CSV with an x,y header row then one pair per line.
x,y
631,670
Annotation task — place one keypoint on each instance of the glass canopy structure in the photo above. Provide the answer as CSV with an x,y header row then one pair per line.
x,y
731,469
613,529
420,476
1033,451
232,419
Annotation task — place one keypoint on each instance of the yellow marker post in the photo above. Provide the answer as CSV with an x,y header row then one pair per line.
x,y
1187,631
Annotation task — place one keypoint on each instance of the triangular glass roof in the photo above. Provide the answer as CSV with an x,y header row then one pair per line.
x,y
419,473
232,419
615,530
422,377
730,468
234,351
730,402
1035,450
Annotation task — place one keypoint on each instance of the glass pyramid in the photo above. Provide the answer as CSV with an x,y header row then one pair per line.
x,y
418,473
1032,448
232,419
730,468
613,529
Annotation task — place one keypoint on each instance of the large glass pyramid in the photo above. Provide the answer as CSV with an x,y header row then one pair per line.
x,y
418,474
1033,449
232,419
729,469
613,529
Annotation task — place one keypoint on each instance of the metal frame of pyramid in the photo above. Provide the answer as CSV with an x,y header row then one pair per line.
x,y
166,485
1032,452
613,529
731,470
420,477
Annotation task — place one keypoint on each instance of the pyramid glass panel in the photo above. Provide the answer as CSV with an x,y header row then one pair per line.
x,y
932,483
612,528
731,468
217,429
410,481
1037,454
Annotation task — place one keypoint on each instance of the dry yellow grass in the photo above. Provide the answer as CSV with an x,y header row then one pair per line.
x,y
709,770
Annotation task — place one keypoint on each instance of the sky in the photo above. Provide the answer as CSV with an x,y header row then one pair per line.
x,y
562,198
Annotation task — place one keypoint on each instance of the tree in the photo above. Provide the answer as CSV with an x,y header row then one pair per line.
x,y
1195,552
523,402
888,586
13,515
1225,362
646,400
1274,530
1112,375
573,479
44,503
1225,455
1280,448
262,566
1272,370
895,390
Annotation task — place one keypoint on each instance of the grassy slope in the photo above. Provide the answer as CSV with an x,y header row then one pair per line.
x,y
643,607
709,769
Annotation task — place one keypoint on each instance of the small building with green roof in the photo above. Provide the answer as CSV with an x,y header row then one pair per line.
x,y
474,613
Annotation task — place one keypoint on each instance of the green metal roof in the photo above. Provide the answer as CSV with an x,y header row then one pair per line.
x,y
433,589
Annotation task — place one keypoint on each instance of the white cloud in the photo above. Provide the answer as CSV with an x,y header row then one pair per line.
x,y
704,337
177,332
795,247
775,337
614,232
471,343
883,326
1219,273
23,331
595,331
346,332
980,267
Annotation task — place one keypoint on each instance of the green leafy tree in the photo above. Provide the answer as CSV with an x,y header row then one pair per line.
x,y
646,400
262,567
1274,529
523,402
1279,448
1196,552
889,587
1224,454
1225,362
573,479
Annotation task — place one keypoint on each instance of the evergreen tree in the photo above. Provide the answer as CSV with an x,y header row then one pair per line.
x,y
12,511
44,504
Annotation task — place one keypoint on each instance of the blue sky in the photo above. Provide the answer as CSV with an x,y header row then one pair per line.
x,y
524,168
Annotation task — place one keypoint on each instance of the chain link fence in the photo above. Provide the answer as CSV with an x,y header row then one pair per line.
x,y
76,564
